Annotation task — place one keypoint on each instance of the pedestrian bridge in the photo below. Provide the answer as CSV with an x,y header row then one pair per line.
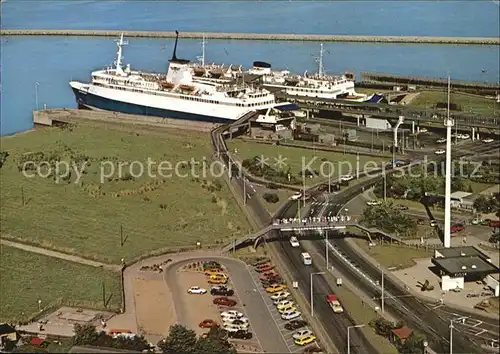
x,y
298,226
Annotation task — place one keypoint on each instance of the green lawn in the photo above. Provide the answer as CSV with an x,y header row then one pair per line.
x,y
27,277
468,103
297,159
85,218
393,256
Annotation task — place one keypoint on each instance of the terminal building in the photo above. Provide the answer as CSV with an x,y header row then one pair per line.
x,y
457,265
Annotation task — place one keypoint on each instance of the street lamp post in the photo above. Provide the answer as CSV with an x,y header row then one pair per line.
x,y
326,248
36,94
451,336
312,297
348,336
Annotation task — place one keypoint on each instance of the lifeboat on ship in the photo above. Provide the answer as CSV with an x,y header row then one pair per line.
x,y
187,87
198,71
216,73
291,81
167,85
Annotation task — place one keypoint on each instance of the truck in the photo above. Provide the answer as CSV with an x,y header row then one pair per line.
x,y
334,303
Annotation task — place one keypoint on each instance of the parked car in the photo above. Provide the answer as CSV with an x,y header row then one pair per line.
x,y
214,271
275,288
288,308
232,313
197,290
290,315
241,334
494,224
302,333
475,221
280,296
208,324
295,324
264,268
221,291
420,222
283,303
423,130
267,275
373,202
242,324
272,280
441,141
488,140
229,327
457,228
433,223
305,340
440,151
261,261
224,301
217,280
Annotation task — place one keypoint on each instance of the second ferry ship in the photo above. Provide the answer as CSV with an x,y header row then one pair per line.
x,y
180,93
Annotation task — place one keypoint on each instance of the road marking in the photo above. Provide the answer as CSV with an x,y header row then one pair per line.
x,y
480,332
477,324
251,186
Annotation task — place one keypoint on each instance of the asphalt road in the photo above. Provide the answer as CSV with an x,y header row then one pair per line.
x,y
261,322
416,314
334,324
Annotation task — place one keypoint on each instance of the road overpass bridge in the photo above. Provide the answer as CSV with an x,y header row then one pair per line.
x,y
301,228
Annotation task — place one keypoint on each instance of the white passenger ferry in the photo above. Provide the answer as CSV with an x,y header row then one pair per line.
x,y
180,93
317,85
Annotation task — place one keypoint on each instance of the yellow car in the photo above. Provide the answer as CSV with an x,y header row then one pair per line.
x,y
275,288
210,272
287,308
305,340
219,276
217,281
283,304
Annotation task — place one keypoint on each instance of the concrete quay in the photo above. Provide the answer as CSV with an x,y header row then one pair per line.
x,y
260,36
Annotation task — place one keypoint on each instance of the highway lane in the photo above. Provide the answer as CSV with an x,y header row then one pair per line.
x,y
335,324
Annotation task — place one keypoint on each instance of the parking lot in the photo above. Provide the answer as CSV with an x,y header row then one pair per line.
x,y
197,308
287,335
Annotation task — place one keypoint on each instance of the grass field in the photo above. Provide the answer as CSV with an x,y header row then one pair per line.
x,y
468,103
90,218
27,277
393,256
297,159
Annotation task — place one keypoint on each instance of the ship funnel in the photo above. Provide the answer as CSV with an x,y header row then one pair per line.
x,y
174,56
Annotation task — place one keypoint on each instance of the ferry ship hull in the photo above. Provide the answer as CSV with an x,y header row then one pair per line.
x,y
91,101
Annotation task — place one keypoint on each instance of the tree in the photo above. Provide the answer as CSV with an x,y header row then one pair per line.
x,y
85,334
271,197
382,326
180,340
214,342
413,344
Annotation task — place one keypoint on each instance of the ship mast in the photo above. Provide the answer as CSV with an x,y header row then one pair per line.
x,y
119,55
201,58
321,69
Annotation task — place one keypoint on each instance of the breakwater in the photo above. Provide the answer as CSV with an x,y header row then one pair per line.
x,y
260,36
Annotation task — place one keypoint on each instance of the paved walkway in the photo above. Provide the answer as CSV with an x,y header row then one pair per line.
x,y
55,254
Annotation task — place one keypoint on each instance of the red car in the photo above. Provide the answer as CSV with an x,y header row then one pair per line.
x,y
208,324
494,224
264,268
224,301
267,275
457,228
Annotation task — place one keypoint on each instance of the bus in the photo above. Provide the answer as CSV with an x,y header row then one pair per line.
x,y
306,258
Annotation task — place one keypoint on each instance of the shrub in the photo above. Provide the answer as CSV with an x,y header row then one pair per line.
x,y
271,197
